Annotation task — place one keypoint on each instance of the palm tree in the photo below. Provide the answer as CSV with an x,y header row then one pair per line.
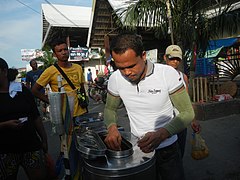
x,y
188,21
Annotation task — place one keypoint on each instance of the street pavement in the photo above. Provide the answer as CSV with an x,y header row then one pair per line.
x,y
221,135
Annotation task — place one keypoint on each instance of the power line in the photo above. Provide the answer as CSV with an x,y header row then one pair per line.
x,y
28,7
33,9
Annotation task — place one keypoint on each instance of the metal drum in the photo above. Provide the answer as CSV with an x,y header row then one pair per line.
x,y
139,166
101,163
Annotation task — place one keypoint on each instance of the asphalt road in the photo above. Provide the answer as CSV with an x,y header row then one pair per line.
x,y
222,136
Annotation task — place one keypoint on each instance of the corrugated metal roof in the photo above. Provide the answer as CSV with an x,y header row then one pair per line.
x,y
67,16
116,4
63,16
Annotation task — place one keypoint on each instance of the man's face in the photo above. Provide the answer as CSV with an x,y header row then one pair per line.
x,y
131,66
61,52
33,65
174,62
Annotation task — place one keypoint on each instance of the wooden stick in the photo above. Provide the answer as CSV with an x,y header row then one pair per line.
x,y
206,89
197,89
209,86
194,90
201,88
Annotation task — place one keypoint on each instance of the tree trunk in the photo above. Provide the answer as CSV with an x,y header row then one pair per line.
x,y
192,71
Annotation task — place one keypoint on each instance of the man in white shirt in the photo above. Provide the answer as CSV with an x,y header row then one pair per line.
x,y
149,92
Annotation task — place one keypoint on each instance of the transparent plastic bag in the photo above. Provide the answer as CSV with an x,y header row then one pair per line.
x,y
199,147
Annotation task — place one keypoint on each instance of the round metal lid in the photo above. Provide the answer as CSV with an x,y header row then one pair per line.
x,y
90,144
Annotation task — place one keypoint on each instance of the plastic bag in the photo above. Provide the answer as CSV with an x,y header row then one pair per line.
x,y
199,147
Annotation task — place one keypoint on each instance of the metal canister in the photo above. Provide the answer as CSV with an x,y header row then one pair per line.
x,y
55,109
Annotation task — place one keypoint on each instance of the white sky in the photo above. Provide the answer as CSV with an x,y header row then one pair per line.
x,y
21,27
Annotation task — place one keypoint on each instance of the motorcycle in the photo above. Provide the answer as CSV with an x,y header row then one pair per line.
x,y
98,90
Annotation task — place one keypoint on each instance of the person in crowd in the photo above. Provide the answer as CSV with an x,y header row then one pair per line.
x,y
31,78
149,92
23,140
33,75
108,70
51,76
89,76
12,74
173,57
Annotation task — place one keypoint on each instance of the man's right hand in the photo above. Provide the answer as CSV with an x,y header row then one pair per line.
x,y
113,139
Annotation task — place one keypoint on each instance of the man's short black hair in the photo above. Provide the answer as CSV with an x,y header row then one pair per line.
x,y
3,64
32,60
57,42
12,74
125,41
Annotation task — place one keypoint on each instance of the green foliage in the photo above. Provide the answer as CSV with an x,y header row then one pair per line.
x,y
47,58
190,24
23,74
190,21
229,69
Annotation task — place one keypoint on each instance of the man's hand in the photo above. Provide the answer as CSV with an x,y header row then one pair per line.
x,y
196,126
113,139
151,140
13,124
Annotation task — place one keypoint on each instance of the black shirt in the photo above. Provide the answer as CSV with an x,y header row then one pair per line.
x,y
24,138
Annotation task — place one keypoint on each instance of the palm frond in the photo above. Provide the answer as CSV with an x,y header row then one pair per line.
x,y
229,69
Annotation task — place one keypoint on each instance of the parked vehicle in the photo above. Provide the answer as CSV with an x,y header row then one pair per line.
x,y
98,90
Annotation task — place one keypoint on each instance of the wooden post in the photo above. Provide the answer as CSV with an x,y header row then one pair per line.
x,y
197,89
194,90
218,85
201,88
68,41
107,47
206,89
215,88
209,88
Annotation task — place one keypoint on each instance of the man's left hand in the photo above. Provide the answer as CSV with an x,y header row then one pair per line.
x,y
151,140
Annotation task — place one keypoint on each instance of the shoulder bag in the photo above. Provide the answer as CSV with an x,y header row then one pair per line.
x,y
81,94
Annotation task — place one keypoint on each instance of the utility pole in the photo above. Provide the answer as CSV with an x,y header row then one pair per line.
x,y
169,16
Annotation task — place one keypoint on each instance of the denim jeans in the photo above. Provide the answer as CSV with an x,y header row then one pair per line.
x,y
169,163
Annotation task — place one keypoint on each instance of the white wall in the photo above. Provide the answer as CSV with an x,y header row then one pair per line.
x,y
93,65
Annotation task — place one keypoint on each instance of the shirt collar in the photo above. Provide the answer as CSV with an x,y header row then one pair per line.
x,y
150,68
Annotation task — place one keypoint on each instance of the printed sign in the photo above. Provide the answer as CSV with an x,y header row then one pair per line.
x,y
152,55
78,54
94,53
29,54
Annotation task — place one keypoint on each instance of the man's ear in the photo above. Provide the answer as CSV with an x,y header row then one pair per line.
x,y
165,57
144,55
